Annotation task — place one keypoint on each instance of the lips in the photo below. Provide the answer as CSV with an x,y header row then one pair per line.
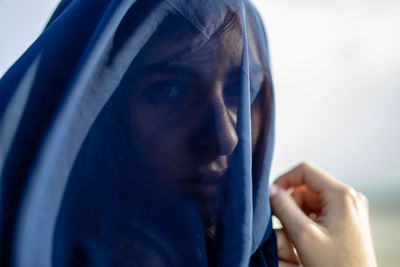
x,y
207,183
202,189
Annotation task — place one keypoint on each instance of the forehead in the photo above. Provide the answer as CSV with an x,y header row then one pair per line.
x,y
223,50
178,42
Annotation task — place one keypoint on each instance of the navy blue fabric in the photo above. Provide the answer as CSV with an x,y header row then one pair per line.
x,y
139,133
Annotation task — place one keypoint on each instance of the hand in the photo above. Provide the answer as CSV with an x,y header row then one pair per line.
x,y
326,221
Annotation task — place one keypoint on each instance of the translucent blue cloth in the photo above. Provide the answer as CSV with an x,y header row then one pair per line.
x,y
139,133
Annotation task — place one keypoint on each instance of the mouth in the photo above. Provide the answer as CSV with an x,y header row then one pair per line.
x,y
207,184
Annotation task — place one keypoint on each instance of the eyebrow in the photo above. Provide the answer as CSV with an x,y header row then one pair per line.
x,y
184,71
168,69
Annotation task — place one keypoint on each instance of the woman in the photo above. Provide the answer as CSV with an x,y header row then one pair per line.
x,y
140,133
144,137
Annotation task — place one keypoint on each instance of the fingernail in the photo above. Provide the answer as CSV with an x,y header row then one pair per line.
x,y
273,189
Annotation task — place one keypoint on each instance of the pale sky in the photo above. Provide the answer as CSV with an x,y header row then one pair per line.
x,y
336,69
336,66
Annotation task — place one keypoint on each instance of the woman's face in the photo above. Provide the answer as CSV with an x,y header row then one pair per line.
x,y
184,112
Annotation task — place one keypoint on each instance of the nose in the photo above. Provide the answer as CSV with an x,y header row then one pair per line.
x,y
217,134
224,127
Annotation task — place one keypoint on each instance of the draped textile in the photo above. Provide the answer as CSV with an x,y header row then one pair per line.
x,y
139,133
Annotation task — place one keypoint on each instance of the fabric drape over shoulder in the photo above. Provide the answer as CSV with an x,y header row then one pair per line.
x,y
139,133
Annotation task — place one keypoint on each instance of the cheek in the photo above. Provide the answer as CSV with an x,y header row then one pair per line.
x,y
159,138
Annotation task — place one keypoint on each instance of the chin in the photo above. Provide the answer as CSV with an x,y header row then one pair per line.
x,y
209,211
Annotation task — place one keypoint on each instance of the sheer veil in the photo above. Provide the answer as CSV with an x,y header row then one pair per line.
x,y
139,133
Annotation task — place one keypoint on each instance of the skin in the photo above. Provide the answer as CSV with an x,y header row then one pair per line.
x,y
326,221
183,115
184,111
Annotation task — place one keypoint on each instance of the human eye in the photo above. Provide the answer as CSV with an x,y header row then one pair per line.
x,y
164,92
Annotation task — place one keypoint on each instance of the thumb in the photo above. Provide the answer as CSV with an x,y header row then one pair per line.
x,y
288,212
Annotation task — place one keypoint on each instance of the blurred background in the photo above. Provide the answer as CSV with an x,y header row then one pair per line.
x,y
336,70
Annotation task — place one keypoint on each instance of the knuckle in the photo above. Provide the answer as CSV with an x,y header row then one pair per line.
x,y
363,198
347,191
307,167
348,195
304,165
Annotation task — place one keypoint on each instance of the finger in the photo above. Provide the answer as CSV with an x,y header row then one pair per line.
x,y
287,264
291,216
307,200
306,174
285,247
